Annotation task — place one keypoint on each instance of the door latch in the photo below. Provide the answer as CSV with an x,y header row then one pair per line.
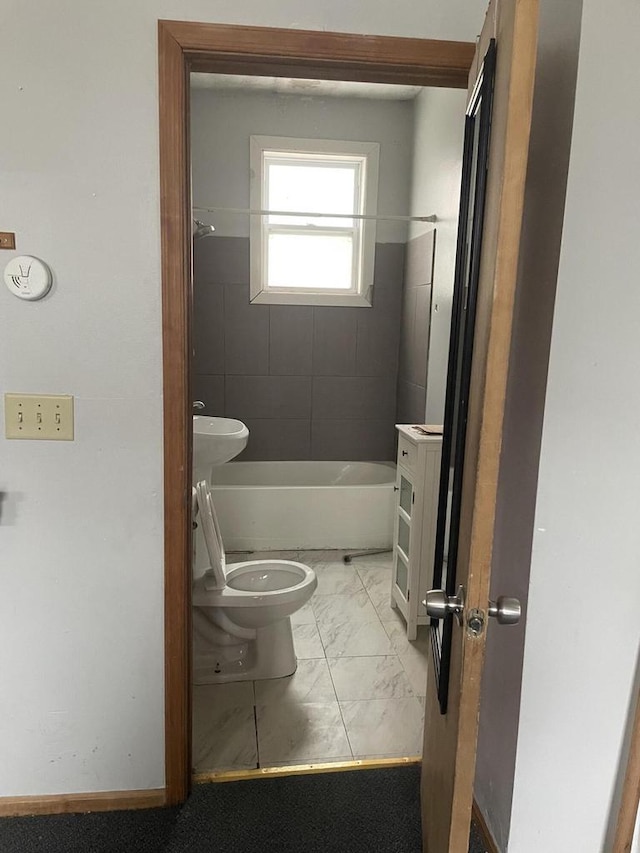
x,y
475,623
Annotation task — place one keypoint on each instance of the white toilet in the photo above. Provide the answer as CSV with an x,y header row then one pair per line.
x,y
241,624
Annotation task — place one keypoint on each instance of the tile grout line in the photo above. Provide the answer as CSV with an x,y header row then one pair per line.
x,y
255,722
268,335
344,725
335,693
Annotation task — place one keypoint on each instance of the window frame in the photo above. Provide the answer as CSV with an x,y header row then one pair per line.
x,y
366,156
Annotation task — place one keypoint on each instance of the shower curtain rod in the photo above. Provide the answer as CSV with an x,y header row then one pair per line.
x,y
432,218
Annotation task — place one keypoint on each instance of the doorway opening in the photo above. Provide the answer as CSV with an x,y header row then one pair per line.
x,y
186,48
329,272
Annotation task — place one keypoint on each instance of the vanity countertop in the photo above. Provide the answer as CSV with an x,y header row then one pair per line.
x,y
409,431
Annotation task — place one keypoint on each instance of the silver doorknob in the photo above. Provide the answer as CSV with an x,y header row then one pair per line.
x,y
198,404
438,604
506,611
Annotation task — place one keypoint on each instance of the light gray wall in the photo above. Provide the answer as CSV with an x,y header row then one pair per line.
x,y
533,315
81,587
222,122
437,165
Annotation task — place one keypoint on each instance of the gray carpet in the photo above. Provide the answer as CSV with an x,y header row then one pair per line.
x,y
140,831
359,812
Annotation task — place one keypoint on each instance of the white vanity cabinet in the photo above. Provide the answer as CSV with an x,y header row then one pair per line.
x,y
416,510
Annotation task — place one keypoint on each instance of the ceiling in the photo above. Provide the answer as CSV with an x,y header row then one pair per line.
x,y
294,86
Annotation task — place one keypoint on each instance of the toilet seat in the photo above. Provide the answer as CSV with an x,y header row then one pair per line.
x,y
229,596
248,584
215,577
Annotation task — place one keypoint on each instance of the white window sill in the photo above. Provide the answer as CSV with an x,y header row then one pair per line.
x,y
356,300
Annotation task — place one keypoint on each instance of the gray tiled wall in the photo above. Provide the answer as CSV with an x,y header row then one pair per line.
x,y
309,382
414,330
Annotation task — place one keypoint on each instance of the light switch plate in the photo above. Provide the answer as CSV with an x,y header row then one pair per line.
x,y
38,416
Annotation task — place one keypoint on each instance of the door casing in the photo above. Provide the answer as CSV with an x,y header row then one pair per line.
x,y
184,47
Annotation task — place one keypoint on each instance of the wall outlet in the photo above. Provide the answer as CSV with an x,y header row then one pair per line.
x,y
38,416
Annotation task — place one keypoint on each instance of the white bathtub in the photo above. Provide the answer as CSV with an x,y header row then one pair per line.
x,y
279,506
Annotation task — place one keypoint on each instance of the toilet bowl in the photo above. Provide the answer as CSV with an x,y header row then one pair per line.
x,y
241,612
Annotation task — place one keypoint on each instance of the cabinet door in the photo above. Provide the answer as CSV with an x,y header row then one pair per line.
x,y
402,550
430,496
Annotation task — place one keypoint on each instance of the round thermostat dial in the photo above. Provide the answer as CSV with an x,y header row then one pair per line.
x,y
28,277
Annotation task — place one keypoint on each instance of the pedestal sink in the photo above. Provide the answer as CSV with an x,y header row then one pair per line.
x,y
215,440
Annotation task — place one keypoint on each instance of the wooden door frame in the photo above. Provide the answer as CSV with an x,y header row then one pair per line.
x,y
184,47
451,739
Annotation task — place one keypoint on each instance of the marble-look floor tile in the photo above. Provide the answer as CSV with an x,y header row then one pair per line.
x,y
324,555
354,639
414,656
207,697
395,618
336,579
369,678
224,731
340,609
375,561
385,612
306,641
415,662
304,732
311,682
384,726
238,556
397,632
304,616
376,580
377,583
273,555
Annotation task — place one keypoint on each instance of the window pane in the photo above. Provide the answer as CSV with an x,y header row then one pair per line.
x,y
305,187
322,261
402,575
403,535
406,495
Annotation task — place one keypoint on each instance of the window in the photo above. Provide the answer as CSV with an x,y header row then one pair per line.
x,y
311,246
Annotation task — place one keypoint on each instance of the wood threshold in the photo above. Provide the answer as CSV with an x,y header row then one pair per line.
x,y
189,46
305,769
102,801
483,828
